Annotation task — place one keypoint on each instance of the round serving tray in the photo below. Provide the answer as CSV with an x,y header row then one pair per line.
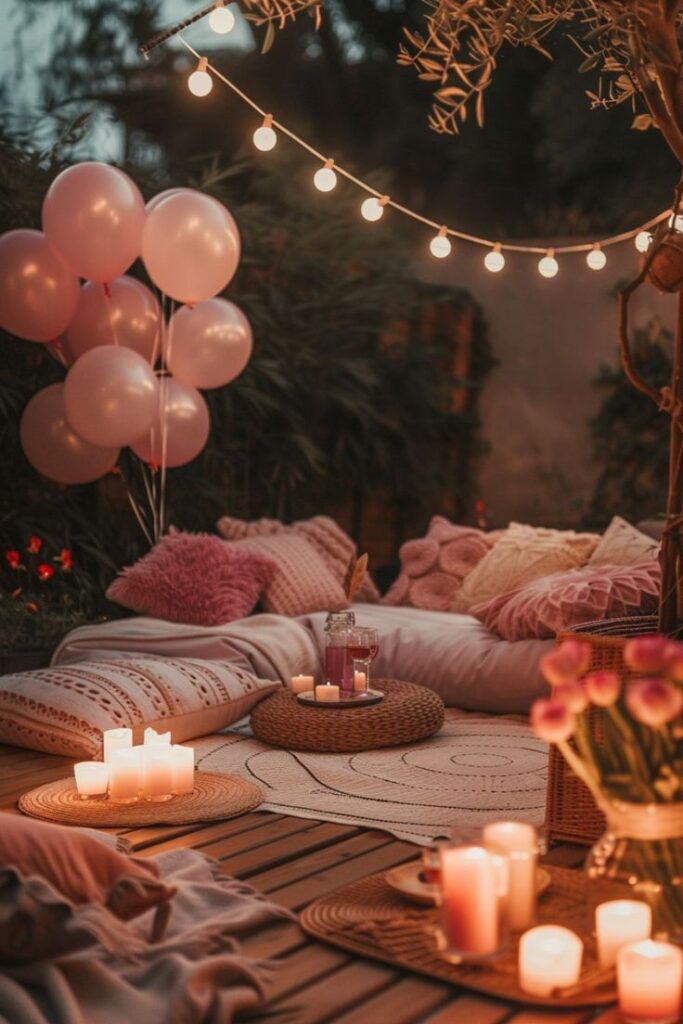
x,y
358,700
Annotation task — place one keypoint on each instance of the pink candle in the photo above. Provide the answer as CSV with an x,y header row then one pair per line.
x,y
157,772
92,778
650,979
360,682
182,769
124,775
301,684
470,900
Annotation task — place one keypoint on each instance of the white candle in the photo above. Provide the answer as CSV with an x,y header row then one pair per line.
x,y
470,900
518,843
182,769
327,692
157,771
360,682
159,739
302,684
650,979
620,923
125,775
116,739
92,778
549,958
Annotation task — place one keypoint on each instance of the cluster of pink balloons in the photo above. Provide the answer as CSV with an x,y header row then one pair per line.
x,y
110,330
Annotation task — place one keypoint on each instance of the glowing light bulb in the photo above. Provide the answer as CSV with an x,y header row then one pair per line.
x,y
200,82
264,136
596,258
642,241
221,19
324,178
372,208
494,260
676,221
548,265
440,245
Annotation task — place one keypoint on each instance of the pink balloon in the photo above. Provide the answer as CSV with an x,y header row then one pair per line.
x,y
53,448
160,196
190,246
209,344
187,426
38,292
110,395
93,215
128,315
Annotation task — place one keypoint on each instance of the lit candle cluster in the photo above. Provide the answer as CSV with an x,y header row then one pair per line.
x,y
156,770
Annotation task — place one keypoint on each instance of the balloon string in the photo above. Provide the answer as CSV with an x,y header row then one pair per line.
x,y
164,418
56,345
137,510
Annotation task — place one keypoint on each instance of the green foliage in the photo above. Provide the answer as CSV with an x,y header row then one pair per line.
x,y
631,436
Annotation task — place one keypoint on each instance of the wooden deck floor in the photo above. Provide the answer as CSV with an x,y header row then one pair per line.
x,y
295,860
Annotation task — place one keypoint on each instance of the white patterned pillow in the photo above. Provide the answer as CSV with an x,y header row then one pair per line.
x,y
623,544
65,709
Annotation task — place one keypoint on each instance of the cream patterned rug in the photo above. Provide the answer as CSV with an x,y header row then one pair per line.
x,y
477,768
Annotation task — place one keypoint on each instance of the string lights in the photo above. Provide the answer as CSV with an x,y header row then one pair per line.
x,y
221,19
372,208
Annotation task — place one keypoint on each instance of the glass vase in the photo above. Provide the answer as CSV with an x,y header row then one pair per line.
x,y
641,857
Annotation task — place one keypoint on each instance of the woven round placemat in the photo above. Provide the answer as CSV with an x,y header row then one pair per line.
x,y
370,918
215,797
407,713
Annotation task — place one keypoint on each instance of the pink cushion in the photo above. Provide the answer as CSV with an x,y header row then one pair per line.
x,y
194,578
550,604
433,567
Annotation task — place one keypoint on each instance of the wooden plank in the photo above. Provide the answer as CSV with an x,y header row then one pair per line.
x,y
276,878
303,843
470,1009
319,1002
402,1003
225,849
541,1016
140,838
275,940
211,838
301,968
566,855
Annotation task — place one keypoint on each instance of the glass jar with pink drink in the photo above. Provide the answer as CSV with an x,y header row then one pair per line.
x,y
338,659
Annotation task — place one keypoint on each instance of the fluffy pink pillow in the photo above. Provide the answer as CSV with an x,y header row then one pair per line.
x,y
194,578
433,567
552,603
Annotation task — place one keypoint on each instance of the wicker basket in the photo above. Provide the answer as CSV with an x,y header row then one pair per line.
x,y
571,812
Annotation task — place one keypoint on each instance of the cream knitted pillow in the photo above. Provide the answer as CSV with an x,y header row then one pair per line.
x,y
522,554
623,544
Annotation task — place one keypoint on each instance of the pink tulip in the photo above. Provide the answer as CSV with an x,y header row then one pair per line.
x,y
647,653
674,659
572,694
570,659
602,688
551,720
654,702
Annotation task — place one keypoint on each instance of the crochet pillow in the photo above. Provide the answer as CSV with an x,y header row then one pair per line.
x,y
334,546
623,544
66,708
433,567
522,554
302,582
553,603
193,578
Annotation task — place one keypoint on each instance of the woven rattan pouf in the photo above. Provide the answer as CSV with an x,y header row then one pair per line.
x,y
407,713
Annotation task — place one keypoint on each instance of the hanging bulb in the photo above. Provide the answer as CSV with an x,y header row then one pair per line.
x,y
596,258
265,137
372,208
642,241
440,245
324,178
676,221
221,19
548,265
494,260
200,82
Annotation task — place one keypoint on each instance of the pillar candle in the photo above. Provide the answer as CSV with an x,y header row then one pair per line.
x,y
620,923
157,771
650,979
470,900
153,738
125,775
518,843
182,769
549,958
301,684
116,739
360,682
92,778
326,692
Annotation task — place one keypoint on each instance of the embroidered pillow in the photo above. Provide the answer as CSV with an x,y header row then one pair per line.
x,y
548,605
334,546
302,582
433,567
66,708
623,544
522,554
193,578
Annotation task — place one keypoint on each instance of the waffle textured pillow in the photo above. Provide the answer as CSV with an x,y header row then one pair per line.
x,y
623,544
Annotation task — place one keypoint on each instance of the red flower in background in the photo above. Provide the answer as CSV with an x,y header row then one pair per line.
x,y
34,545
32,607
13,558
45,571
66,558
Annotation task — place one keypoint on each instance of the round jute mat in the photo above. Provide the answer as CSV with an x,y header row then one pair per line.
x,y
407,713
215,797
